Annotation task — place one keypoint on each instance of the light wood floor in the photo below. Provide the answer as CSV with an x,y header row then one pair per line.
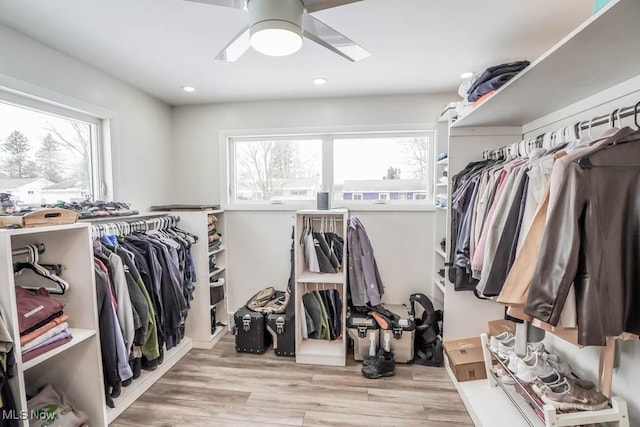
x,y
220,387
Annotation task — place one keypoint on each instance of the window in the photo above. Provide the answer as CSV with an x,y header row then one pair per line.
x,y
275,169
47,157
357,167
382,167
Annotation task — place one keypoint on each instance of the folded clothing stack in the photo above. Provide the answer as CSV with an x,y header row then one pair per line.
x,y
214,237
478,88
97,209
493,78
42,323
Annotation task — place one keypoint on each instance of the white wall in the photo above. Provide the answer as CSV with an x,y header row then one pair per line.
x,y
196,129
258,245
141,155
258,241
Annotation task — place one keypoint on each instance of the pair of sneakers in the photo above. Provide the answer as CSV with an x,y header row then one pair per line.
x,y
568,394
381,365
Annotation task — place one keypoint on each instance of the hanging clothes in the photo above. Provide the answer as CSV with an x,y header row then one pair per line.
x,y
144,284
363,277
323,315
530,232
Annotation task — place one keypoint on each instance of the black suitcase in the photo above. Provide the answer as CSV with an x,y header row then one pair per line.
x,y
283,333
251,331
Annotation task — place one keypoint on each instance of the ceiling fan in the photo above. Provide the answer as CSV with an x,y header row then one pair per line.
x,y
276,28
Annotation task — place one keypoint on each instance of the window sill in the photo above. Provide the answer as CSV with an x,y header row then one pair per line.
x,y
352,206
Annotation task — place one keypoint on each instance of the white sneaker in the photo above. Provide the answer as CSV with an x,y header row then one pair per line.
x,y
536,366
506,347
495,341
554,361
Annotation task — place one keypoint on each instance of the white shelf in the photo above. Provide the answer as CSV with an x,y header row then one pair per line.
x,y
217,251
441,253
321,352
568,73
131,393
482,402
441,208
442,184
217,304
443,162
79,335
337,212
217,271
45,229
215,338
439,285
309,277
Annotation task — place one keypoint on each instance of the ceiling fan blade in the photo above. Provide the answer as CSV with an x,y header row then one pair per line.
x,y
326,36
316,5
235,4
236,47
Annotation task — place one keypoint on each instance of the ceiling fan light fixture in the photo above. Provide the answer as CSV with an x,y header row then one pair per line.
x,y
276,38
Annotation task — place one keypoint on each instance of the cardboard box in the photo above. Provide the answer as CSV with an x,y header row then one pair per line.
x,y
466,359
496,327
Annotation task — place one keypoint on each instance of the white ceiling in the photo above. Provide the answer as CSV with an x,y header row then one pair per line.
x,y
417,46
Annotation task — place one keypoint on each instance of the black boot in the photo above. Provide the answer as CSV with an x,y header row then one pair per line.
x,y
370,359
383,366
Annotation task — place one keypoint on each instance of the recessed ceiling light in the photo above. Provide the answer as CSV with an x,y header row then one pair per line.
x,y
319,81
188,88
466,75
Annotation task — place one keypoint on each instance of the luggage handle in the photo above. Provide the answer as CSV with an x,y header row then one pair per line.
x,y
280,325
397,332
362,331
246,322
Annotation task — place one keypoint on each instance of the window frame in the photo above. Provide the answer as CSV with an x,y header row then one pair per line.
x,y
328,135
103,126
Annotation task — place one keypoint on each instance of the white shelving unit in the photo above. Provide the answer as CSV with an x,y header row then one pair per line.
x,y
199,319
546,86
438,290
147,378
543,97
316,351
74,368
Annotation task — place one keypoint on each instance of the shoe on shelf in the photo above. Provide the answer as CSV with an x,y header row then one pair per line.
x,y
505,347
555,362
383,366
556,378
569,395
496,340
534,367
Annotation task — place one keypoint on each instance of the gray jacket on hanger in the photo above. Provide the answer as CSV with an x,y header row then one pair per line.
x,y
363,275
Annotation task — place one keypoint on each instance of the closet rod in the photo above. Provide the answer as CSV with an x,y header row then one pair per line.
x,y
617,114
26,251
136,225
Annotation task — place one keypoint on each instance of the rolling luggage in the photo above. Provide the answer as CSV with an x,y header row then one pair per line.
x,y
251,332
283,333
